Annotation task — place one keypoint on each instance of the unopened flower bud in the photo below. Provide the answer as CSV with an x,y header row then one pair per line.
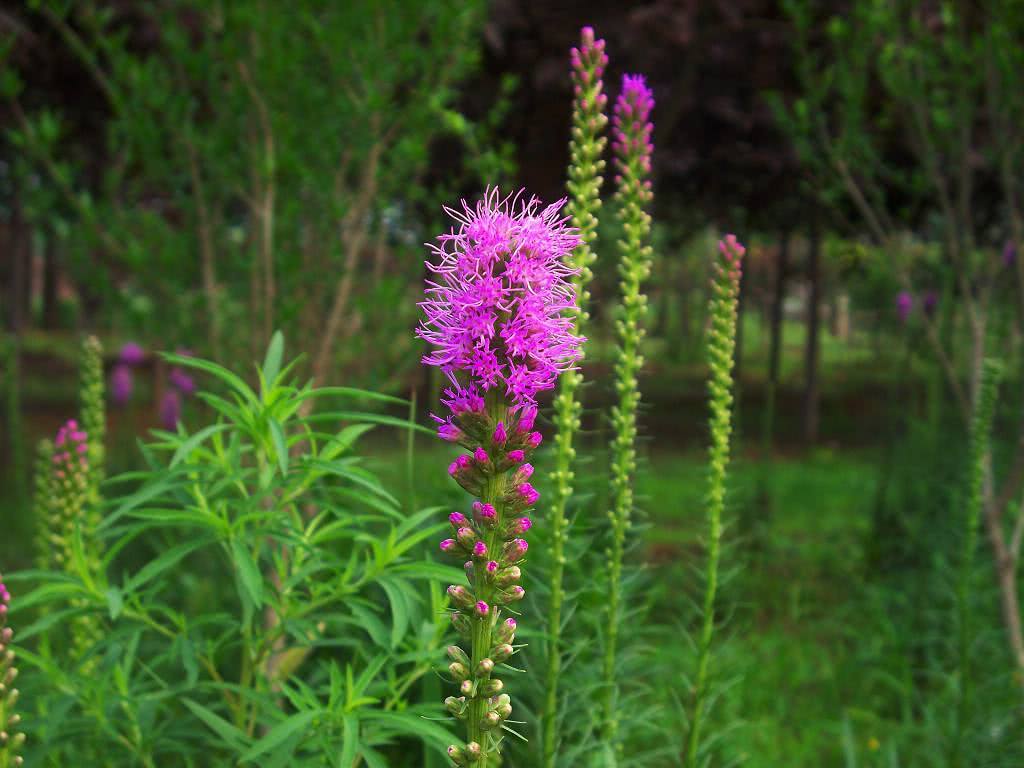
x,y
457,654
467,688
500,435
466,536
485,667
481,456
455,706
509,576
458,671
502,652
506,631
457,519
491,687
512,595
448,546
457,755
480,550
516,456
481,609
535,439
490,720
460,595
515,550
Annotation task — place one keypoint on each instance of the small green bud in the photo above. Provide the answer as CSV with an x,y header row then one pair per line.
x,y
458,671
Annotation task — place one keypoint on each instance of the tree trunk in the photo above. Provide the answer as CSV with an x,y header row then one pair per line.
x,y
50,315
775,350
811,393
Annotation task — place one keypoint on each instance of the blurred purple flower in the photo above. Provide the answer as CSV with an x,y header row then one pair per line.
x,y
121,384
170,409
930,302
181,381
1009,253
904,305
132,354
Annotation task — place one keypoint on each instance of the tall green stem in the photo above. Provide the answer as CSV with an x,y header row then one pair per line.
x,y
721,344
980,459
586,164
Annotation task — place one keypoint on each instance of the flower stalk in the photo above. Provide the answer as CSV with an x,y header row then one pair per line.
x,y
10,738
632,149
498,320
586,149
721,346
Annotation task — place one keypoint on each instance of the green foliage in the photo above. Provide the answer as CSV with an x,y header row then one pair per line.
x,y
318,640
261,166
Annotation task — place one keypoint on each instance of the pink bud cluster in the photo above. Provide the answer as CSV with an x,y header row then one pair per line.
x,y
10,740
71,448
588,65
632,126
732,251
498,300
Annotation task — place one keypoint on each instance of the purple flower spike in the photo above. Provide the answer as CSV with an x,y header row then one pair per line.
x,y
1009,253
500,435
449,432
170,410
496,304
181,381
527,493
121,384
132,354
631,122
904,305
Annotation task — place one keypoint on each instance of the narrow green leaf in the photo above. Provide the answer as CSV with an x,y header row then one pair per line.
x,y
399,609
217,371
168,559
115,602
186,448
280,445
349,740
272,361
280,733
229,733
248,573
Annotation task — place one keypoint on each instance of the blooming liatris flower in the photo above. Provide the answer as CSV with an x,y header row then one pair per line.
x,y
121,384
131,355
10,739
497,318
170,409
904,305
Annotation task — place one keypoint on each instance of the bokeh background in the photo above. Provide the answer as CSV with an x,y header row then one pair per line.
x,y
196,175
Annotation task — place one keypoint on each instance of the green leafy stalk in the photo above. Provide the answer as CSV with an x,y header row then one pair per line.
x,y
92,404
721,345
10,739
633,194
48,528
980,462
586,148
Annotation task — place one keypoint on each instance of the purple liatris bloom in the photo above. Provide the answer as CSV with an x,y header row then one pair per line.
x,y
496,305
1009,253
497,316
170,409
930,302
904,305
121,384
131,354
631,125
181,381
